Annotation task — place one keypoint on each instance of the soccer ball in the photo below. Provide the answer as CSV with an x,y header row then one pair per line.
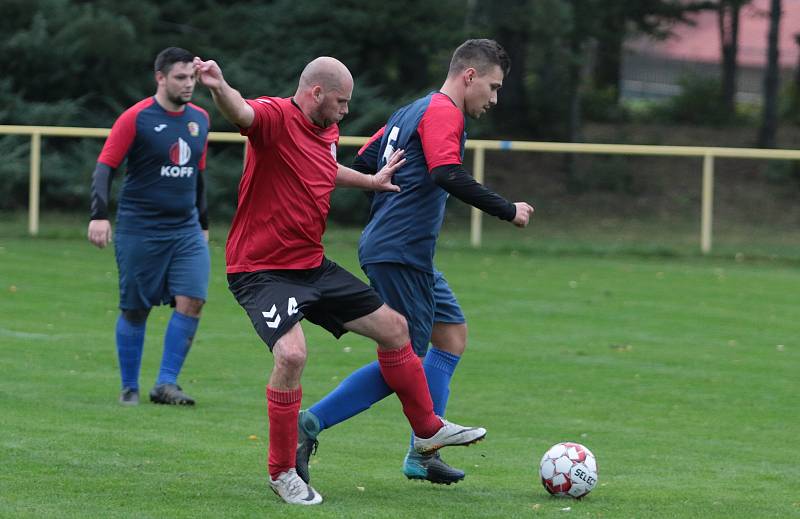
x,y
568,469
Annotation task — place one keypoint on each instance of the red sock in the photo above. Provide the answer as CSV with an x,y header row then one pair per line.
x,y
403,372
283,406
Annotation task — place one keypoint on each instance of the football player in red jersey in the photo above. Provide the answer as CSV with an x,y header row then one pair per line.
x,y
276,265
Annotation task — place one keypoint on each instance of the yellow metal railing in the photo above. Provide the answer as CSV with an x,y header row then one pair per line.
x,y
479,146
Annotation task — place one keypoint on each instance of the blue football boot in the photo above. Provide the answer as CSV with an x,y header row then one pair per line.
x,y
431,468
307,431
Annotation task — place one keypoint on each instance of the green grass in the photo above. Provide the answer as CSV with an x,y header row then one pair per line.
x,y
679,372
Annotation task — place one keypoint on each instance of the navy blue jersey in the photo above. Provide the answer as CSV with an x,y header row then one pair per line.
x,y
166,152
403,227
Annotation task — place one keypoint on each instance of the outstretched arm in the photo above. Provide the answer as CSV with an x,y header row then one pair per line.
x,y
456,181
229,101
380,181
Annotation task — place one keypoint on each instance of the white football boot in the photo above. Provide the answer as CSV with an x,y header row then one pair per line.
x,y
449,434
294,490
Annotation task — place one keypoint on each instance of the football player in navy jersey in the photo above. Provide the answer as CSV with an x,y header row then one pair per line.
x,y
397,246
162,222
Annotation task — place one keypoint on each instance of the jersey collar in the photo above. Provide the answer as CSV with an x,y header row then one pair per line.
x,y
311,124
169,112
447,96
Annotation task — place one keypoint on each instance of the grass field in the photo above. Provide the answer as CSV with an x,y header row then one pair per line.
x,y
679,372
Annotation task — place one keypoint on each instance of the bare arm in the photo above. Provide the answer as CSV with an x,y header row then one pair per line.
x,y
381,181
229,101
348,177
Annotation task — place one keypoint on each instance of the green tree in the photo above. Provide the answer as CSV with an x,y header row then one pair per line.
x,y
552,43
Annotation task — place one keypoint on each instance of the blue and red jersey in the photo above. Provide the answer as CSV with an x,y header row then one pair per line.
x,y
403,227
166,152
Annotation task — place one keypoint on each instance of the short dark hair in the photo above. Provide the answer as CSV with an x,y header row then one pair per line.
x,y
169,56
480,54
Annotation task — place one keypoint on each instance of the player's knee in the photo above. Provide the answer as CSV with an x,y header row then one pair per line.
x,y
138,316
290,360
462,336
396,330
189,306
451,338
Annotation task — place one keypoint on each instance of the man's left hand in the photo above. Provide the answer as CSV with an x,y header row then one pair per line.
x,y
382,181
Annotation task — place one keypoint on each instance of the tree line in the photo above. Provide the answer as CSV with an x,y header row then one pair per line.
x,y
80,63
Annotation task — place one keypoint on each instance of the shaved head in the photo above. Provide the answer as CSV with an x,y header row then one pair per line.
x,y
324,91
327,72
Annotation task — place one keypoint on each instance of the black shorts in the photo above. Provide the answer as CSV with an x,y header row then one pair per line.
x,y
328,296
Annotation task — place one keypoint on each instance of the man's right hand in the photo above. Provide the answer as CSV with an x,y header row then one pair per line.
x,y
208,73
229,101
99,233
524,212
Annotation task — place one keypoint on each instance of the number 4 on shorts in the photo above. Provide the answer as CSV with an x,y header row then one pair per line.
x,y
273,312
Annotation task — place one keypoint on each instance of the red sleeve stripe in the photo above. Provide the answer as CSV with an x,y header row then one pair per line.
x,y
371,140
122,134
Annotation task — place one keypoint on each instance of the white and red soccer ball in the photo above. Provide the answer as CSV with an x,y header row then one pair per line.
x,y
568,469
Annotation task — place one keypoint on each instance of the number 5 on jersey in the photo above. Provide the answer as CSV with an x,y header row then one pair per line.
x,y
391,141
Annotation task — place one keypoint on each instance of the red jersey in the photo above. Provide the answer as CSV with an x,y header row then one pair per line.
x,y
284,195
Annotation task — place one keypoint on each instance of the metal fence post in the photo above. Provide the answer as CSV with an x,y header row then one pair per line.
x,y
476,215
35,180
708,203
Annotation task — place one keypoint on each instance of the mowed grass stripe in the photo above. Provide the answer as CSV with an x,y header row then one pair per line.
x,y
678,372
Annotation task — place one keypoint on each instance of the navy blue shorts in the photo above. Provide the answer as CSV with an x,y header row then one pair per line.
x,y
447,308
155,269
328,296
423,298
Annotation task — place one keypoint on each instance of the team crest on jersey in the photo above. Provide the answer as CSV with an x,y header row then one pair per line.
x,y
333,150
180,152
194,128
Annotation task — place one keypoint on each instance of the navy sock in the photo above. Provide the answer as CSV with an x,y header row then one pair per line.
x,y
356,393
130,343
439,367
177,341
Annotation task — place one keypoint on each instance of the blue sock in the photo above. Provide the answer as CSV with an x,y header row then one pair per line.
x,y
177,341
439,367
356,393
130,343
